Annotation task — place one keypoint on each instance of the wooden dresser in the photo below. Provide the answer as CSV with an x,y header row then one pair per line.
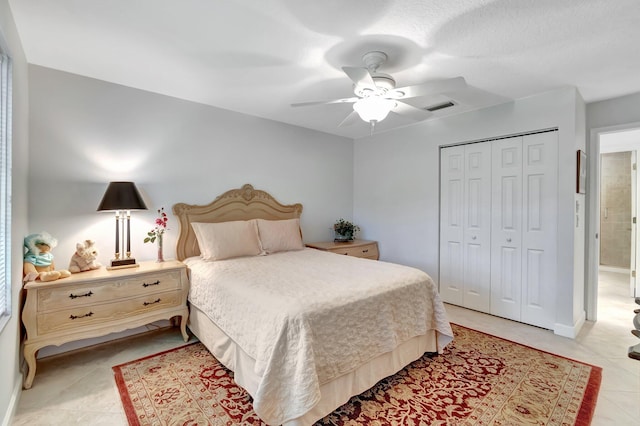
x,y
99,302
357,248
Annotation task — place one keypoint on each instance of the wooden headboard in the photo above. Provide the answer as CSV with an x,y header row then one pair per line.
x,y
237,204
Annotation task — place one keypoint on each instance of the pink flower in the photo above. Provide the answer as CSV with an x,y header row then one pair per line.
x,y
158,230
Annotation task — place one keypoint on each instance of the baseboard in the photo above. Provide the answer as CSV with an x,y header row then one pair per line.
x,y
570,331
13,402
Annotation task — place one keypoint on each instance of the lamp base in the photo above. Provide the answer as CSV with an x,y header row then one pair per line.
x,y
123,263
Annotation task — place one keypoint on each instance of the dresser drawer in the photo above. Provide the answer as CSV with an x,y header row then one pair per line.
x,y
75,317
107,290
369,251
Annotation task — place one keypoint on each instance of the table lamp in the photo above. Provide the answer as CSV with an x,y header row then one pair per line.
x,y
122,197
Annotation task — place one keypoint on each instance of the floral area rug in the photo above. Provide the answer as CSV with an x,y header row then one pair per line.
x,y
479,380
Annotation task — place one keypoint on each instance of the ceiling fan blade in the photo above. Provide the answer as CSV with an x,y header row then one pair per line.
x,y
350,119
430,88
360,76
334,101
411,111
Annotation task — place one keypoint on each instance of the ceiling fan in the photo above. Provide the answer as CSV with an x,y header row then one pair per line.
x,y
377,95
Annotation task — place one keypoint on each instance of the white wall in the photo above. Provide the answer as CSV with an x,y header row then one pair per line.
x,y
10,377
396,184
580,222
614,112
86,132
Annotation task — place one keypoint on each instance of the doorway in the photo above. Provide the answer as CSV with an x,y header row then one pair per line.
x,y
614,246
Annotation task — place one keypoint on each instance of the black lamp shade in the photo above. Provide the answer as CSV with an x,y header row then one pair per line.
x,y
122,196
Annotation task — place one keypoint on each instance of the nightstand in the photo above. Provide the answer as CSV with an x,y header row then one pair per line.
x,y
358,248
95,303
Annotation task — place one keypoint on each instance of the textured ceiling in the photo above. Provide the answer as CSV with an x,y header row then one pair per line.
x,y
259,56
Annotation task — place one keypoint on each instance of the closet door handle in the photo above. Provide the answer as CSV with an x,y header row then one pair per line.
x,y
508,240
474,237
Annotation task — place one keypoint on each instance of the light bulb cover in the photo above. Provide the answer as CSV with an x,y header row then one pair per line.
x,y
373,108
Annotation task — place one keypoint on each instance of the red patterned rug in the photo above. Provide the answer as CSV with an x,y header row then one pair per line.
x,y
479,380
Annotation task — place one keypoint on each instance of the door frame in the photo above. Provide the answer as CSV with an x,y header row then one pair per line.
x,y
593,222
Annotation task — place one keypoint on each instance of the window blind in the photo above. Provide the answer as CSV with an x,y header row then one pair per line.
x,y
5,187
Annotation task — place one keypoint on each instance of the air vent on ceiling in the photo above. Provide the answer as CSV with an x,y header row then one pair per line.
x,y
440,106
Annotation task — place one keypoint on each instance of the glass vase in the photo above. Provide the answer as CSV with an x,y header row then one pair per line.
x,y
160,249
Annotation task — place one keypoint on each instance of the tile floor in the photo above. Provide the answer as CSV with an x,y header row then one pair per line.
x,y
77,388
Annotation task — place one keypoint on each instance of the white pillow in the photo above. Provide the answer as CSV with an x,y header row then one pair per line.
x,y
224,240
280,235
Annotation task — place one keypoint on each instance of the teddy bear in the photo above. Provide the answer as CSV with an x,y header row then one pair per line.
x,y
84,259
38,260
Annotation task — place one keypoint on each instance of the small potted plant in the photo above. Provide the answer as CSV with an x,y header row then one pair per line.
x,y
344,230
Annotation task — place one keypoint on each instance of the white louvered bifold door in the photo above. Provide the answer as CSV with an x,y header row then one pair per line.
x,y
498,227
539,233
465,228
477,227
506,228
451,228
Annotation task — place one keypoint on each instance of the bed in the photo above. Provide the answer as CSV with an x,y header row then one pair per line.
x,y
303,330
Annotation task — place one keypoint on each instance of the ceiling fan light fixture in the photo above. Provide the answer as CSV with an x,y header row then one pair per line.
x,y
376,93
373,108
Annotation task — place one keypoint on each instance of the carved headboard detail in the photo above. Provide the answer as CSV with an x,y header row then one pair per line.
x,y
237,204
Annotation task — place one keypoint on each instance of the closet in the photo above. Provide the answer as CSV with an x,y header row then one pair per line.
x,y
498,226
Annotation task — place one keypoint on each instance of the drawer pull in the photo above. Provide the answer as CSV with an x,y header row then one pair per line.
x,y
81,316
365,251
75,296
152,303
157,282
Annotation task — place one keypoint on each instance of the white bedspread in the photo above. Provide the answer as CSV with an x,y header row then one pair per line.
x,y
308,316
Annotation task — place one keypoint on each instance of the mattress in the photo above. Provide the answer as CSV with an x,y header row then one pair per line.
x,y
307,318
